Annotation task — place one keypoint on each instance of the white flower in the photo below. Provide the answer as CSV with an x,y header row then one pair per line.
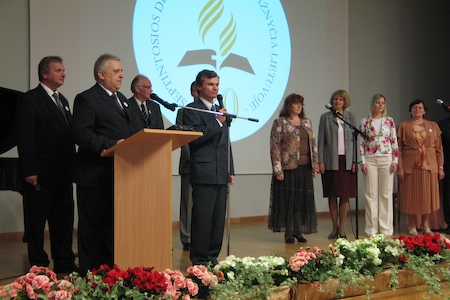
x,y
230,275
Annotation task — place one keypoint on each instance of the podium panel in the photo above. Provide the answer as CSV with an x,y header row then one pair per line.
x,y
143,197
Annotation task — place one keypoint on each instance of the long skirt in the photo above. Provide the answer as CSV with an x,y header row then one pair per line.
x,y
292,206
418,193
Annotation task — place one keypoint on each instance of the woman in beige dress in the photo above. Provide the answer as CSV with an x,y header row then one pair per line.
x,y
420,167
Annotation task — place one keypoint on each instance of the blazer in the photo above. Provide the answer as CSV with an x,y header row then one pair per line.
x,y
209,155
409,152
98,123
185,155
43,137
328,140
444,125
153,110
284,145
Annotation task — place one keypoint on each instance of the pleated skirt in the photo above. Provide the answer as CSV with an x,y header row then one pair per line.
x,y
418,193
292,206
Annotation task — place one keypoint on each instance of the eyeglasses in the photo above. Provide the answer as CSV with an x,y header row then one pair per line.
x,y
146,86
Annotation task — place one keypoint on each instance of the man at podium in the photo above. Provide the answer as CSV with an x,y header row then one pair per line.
x,y
209,174
147,110
102,118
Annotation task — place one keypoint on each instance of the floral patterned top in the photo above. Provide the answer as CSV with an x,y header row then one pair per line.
x,y
284,145
380,142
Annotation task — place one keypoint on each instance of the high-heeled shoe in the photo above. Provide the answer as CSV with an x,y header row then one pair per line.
x,y
300,238
343,236
289,240
412,231
333,236
426,231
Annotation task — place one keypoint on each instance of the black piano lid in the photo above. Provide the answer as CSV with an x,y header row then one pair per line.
x,y
8,103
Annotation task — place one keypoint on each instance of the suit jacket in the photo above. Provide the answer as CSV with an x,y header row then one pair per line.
x,y
209,155
444,125
185,155
328,140
153,110
43,137
98,123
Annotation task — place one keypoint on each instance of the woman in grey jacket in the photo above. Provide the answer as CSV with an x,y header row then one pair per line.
x,y
335,161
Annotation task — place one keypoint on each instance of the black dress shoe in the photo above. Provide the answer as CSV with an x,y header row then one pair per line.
x,y
300,238
289,240
187,247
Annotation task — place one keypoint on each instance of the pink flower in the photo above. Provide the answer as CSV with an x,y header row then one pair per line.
x,y
179,282
192,287
63,294
47,286
209,279
39,281
30,292
17,286
197,271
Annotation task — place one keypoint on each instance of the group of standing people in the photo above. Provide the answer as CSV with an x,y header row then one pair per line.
x,y
103,117
413,150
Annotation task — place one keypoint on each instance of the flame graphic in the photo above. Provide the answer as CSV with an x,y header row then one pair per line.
x,y
209,16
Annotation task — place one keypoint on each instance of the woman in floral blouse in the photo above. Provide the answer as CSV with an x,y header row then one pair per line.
x,y
293,152
379,159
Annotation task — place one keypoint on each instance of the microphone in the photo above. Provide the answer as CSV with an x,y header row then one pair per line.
x,y
445,106
166,104
220,99
332,109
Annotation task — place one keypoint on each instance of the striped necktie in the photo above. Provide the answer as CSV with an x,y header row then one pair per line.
x,y
60,106
145,116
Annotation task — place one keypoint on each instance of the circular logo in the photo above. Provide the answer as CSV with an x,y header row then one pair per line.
x,y
246,42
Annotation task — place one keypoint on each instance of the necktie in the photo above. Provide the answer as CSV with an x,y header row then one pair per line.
x,y
60,106
213,107
117,100
145,116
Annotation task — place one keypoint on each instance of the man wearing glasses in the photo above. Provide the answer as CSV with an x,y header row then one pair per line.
x,y
148,111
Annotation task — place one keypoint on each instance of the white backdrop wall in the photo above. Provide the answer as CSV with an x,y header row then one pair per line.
x,y
365,47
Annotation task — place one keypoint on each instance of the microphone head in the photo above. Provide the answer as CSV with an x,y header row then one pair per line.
x,y
328,105
154,96
219,97
439,101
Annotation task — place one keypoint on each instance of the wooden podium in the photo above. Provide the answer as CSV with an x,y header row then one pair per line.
x,y
143,197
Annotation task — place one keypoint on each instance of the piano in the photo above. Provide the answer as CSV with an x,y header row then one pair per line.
x,y
10,177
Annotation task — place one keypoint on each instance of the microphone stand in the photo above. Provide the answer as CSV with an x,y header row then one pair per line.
x,y
227,123
355,133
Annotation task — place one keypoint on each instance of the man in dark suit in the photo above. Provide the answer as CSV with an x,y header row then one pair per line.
x,y
444,125
209,174
186,188
102,118
146,110
46,154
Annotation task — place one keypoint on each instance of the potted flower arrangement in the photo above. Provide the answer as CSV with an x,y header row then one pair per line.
x,y
250,278
39,283
355,264
337,270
